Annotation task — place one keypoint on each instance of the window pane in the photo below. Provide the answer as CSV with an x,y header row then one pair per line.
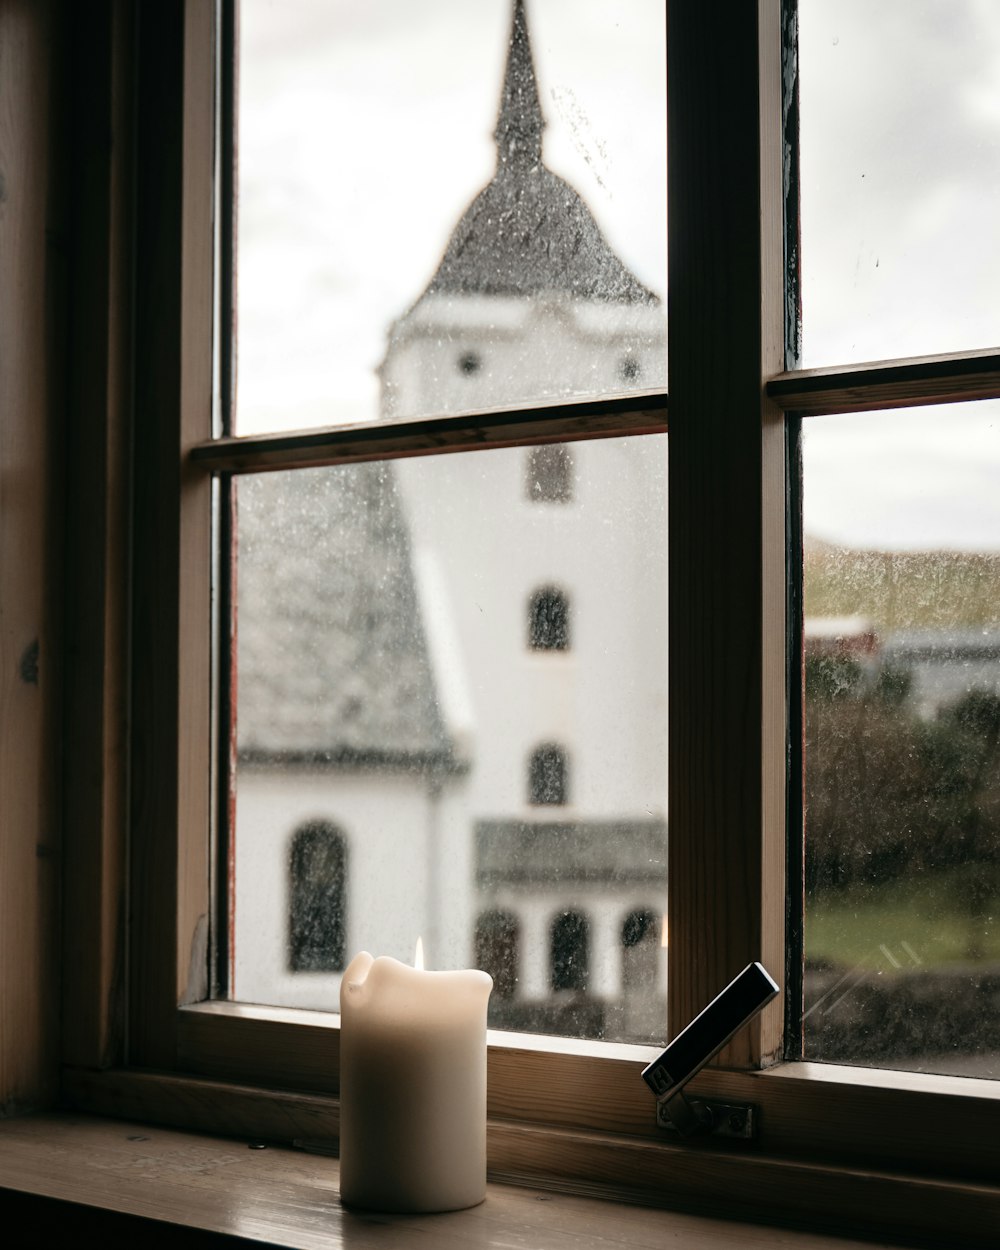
x,y
900,177
902,750
410,766
411,242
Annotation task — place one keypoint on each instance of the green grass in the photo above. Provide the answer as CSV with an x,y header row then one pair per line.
x,y
904,590
924,921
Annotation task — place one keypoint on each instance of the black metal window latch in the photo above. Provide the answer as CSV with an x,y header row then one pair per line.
x,y
691,1049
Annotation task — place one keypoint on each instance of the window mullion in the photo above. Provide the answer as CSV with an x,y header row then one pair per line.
x,y
170,804
96,501
726,508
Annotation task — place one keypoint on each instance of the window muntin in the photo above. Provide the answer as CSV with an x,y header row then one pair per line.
x,y
902,746
900,168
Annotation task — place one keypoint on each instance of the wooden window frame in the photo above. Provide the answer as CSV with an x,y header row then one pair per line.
x,y
881,1153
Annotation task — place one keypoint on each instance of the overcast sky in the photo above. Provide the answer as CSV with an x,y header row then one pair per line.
x,y
365,130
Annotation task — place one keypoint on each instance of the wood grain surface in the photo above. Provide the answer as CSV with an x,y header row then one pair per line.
x,y
177,1182
33,280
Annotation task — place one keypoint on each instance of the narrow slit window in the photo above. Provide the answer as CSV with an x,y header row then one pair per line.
x,y
548,775
548,620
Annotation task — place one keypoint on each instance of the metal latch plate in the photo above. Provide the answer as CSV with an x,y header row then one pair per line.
x,y
728,1119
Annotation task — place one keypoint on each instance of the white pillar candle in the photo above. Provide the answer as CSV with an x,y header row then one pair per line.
x,y
412,1086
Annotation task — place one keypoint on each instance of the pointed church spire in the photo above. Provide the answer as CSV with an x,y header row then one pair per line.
x,y
520,123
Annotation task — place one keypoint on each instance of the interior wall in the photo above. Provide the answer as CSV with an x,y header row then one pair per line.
x,y
33,286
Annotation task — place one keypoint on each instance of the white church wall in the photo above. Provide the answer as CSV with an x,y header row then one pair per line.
x,y
401,836
604,698
460,353
480,548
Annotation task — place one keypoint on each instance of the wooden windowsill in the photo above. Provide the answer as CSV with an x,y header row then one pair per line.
x,y
66,1176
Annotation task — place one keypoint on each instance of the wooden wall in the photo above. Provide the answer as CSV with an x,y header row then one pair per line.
x,y
33,287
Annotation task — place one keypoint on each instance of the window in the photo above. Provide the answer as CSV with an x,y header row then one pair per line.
x,y
642,934
640,942
369,601
498,950
902,714
550,473
901,541
548,620
570,952
548,781
317,899
731,686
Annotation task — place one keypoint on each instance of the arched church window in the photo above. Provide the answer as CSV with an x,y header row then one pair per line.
x,y
548,620
549,477
317,897
570,951
548,775
640,948
497,950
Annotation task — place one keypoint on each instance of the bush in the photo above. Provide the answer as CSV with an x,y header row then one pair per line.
x,y
887,794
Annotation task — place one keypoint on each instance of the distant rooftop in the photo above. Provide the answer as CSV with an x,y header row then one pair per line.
x,y
332,663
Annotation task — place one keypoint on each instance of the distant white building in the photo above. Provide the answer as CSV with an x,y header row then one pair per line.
x,y
943,665
471,650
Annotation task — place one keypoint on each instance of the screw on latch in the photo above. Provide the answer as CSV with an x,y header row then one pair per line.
x,y
29,664
693,1117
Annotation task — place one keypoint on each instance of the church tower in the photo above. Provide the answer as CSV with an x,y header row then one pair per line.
x,y
541,575
529,301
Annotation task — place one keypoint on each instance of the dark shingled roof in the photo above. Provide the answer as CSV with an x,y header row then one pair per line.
x,y
555,852
332,663
528,233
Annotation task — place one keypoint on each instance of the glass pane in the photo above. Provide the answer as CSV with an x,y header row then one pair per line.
x,y
902,751
425,752
411,242
900,177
